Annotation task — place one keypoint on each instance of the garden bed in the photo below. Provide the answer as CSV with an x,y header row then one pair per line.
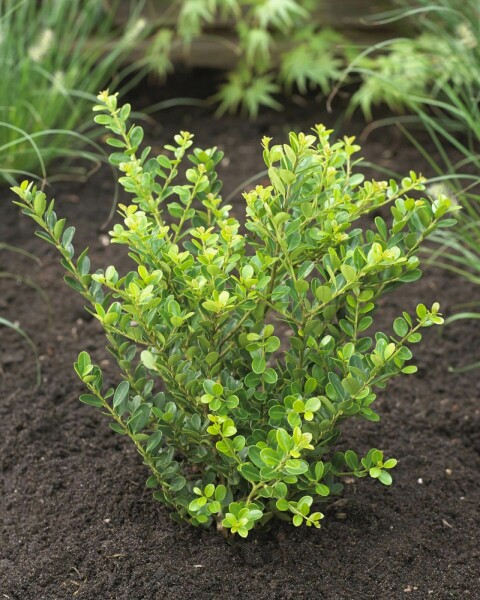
x,y
77,520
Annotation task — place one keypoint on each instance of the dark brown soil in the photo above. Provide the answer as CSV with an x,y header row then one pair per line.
x,y
77,521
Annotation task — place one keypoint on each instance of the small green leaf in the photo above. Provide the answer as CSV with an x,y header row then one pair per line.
x,y
220,493
117,428
270,376
148,359
310,386
284,441
297,520
91,399
259,365
323,294
250,472
120,393
400,327
209,490
153,441
385,478
296,467
322,489
68,236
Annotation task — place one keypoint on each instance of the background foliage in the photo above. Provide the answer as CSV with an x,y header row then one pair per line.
x,y
53,59
277,43
434,76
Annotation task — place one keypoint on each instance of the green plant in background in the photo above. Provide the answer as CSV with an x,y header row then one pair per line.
x,y
407,73
235,425
436,78
53,60
275,43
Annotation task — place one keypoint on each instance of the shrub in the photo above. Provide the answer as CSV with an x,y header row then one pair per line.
x,y
235,425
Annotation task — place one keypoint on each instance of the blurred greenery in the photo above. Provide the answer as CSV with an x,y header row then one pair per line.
x,y
53,60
